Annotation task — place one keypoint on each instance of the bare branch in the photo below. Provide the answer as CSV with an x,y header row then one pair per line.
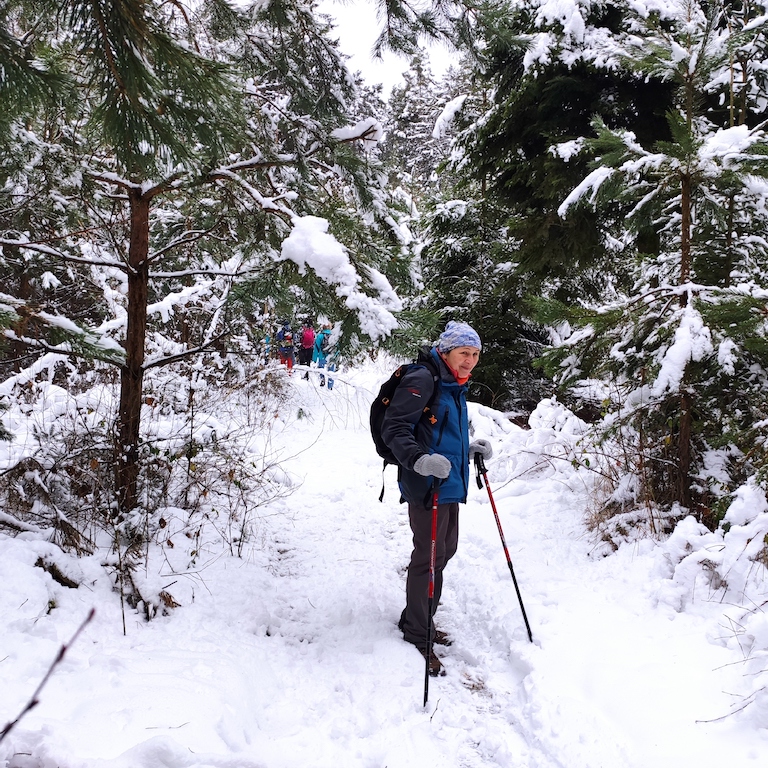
x,y
35,700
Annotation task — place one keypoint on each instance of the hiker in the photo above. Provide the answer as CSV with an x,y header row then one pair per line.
x,y
320,351
284,340
306,345
433,446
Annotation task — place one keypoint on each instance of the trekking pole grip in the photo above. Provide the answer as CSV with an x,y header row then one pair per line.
x,y
480,467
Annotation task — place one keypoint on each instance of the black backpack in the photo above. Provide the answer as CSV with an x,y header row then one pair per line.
x,y
384,398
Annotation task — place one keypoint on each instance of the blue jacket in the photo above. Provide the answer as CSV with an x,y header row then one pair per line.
x,y
410,433
318,356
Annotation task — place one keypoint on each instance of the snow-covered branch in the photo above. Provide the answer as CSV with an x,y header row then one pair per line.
x,y
369,131
265,203
20,526
47,250
158,362
146,189
191,272
311,245
102,348
591,184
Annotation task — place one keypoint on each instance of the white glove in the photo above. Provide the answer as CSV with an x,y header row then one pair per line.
x,y
483,447
433,464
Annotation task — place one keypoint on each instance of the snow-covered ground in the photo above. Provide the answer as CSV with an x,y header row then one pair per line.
x,y
290,655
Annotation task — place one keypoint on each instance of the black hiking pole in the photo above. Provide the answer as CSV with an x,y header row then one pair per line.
x,y
431,589
481,470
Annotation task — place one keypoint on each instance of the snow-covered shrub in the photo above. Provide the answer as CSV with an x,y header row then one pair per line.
x,y
205,447
217,458
57,476
729,566
552,441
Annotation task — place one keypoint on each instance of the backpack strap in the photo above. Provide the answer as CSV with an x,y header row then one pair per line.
x,y
425,360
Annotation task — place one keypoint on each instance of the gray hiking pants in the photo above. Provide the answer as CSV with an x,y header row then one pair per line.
x,y
414,619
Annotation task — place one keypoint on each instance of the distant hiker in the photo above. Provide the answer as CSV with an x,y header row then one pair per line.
x,y
321,350
284,340
266,347
431,445
306,345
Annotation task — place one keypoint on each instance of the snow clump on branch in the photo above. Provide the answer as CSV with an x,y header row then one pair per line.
x,y
311,245
369,131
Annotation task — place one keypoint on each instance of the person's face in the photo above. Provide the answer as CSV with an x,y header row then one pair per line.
x,y
463,360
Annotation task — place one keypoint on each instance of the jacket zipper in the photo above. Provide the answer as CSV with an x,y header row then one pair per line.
x,y
442,427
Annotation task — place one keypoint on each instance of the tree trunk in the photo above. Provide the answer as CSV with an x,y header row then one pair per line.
x,y
684,451
684,435
132,373
18,349
685,233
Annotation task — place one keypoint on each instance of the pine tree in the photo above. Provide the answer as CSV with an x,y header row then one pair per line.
x,y
502,167
689,380
192,145
411,152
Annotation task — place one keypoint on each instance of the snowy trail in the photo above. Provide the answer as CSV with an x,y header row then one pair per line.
x,y
611,683
589,691
356,586
291,655
349,554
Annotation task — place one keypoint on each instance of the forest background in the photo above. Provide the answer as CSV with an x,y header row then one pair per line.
x,y
587,187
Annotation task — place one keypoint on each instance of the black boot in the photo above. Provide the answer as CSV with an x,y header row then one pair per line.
x,y
435,667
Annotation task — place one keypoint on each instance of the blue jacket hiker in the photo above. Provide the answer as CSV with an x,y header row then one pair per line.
x,y
321,351
266,347
433,444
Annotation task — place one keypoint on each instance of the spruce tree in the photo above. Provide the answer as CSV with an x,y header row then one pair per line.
x,y
411,152
516,109
547,84
686,380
